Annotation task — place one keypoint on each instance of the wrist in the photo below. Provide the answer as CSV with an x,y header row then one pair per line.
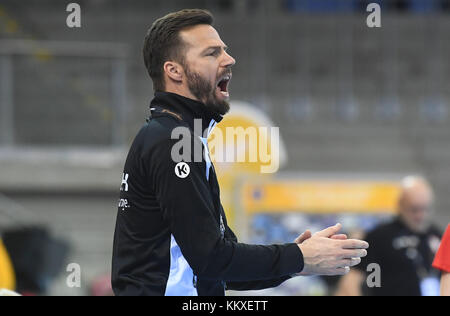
x,y
300,248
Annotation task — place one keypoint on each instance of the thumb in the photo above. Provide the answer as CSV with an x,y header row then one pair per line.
x,y
306,235
330,231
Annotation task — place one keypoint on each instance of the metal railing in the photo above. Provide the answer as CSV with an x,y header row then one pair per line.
x,y
46,52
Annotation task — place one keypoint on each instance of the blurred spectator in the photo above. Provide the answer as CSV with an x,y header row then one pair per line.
x,y
442,262
35,256
404,249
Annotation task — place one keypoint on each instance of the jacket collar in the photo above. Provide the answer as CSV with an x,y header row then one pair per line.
x,y
186,110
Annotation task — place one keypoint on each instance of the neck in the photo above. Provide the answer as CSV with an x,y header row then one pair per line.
x,y
188,109
181,91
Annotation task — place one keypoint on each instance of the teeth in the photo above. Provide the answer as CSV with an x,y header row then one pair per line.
x,y
225,78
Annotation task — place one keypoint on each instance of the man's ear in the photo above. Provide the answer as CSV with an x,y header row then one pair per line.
x,y
173,70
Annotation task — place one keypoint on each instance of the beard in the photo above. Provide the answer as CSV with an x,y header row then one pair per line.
x,y
204,91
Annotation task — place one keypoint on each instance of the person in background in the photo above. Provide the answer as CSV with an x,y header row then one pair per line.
x,y
404,249
442,262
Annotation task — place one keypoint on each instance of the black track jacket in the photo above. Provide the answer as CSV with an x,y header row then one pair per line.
x,y
171,235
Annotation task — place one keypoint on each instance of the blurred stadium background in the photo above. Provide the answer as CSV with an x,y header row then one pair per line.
x,y
351,102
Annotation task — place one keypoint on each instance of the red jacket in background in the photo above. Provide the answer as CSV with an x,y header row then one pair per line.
x,y
442,259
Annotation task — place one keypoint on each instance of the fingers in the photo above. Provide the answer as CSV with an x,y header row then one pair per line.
x,y
339,237
332,272
330,231
354,244
357,253
345,268
306,235
349,262
337,271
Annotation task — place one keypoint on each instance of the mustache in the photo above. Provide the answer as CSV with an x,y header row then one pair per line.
x,y
225,73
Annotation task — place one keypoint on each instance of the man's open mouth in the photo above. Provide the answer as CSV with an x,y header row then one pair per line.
x,y
222,85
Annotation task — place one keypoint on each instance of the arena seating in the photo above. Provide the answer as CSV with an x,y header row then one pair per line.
x,y
347,98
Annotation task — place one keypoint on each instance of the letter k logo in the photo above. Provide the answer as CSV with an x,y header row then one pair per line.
x,y
182,170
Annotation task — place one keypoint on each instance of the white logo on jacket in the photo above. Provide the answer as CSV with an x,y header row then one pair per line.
x,y
124,184
182,170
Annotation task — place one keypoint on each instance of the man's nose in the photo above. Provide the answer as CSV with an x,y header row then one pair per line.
x,y
229,61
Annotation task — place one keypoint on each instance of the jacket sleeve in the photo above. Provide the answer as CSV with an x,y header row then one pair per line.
x,y
255,284
187,206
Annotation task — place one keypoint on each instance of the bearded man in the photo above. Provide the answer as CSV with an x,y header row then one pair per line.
x,y
172,236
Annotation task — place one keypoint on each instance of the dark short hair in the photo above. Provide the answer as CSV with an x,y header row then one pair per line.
x,y
163,43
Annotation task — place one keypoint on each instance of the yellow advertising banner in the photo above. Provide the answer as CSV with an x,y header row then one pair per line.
x,y
324,196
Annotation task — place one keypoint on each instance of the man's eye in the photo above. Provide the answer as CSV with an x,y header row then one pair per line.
x,y
214,53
